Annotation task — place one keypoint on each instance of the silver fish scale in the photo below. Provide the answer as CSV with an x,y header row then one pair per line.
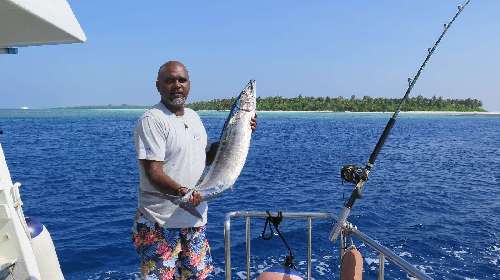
x,y
233,147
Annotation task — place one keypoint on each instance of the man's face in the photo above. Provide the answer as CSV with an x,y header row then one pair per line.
x,y
173,85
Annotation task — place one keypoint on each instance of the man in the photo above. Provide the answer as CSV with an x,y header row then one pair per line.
x,y
171,146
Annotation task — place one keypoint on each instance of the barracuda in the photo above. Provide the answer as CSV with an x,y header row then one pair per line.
x,y
233,148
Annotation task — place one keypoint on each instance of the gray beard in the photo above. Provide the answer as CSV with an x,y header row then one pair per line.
x,y
178,101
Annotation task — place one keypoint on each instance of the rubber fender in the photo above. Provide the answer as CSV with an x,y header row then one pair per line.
x,y
34,226
44,251
280,273
351,267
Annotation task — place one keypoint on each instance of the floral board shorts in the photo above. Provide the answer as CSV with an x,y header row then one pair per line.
x,y
171,253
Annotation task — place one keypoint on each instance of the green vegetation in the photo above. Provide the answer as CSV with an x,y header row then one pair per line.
x,y
335,104
353,104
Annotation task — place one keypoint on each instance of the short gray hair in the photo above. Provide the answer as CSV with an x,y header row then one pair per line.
x,y
166,64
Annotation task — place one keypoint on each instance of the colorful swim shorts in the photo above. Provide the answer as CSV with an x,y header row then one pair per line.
x,y
171,253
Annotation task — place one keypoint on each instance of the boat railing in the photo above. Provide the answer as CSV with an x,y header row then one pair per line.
x,y
347,230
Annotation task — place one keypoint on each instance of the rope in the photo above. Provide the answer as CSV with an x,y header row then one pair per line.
x,y
275,222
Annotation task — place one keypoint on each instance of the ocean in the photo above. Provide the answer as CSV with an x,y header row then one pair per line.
x,y
433,196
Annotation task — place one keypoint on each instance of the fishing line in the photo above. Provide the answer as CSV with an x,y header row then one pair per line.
x,y
359,175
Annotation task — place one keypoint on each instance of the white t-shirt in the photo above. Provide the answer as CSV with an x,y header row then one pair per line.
x,y
180,142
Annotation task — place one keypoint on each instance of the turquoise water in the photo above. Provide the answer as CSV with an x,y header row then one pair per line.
x,y
433,197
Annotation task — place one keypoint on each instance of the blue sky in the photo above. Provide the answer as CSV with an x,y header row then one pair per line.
x,y
313,48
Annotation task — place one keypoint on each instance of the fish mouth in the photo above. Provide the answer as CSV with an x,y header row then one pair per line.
x,y
247,98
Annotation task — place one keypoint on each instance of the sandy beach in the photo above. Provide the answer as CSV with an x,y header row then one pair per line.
x,y
402,112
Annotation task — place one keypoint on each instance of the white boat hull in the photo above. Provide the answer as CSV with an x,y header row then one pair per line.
x,y
30,22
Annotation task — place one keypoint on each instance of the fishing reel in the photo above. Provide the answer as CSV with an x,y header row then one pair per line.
x,y
353,174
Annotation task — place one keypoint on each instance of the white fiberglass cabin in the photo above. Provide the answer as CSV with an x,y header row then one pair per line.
x,y
26,248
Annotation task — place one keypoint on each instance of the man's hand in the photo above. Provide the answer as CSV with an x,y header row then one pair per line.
x,y
253,123
195,198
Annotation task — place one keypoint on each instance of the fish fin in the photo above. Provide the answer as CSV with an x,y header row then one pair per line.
x,y
181,201
173,198
191,210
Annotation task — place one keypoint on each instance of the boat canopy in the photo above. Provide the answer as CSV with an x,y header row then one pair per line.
x,y
35,22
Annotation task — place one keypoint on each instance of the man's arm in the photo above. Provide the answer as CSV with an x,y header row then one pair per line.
x,y
158,178
164,183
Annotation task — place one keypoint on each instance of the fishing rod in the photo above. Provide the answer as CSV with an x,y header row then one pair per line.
x,y
359,175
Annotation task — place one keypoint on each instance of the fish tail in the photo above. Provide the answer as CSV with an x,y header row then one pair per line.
x,y
191,210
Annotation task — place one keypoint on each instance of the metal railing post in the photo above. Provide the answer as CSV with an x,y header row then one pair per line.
x,y
309,248
381,264
227,244
342,244
247,238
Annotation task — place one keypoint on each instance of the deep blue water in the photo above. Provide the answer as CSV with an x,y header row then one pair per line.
x,y
433,197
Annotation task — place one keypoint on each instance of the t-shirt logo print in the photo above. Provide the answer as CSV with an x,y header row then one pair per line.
x,y
149,151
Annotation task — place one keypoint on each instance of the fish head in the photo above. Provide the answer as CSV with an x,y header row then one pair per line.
x,y
248,97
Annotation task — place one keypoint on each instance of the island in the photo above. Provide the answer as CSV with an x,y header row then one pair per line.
x,y
329,104
352,104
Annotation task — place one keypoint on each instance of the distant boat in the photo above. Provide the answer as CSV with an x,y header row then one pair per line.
x,y
24,108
